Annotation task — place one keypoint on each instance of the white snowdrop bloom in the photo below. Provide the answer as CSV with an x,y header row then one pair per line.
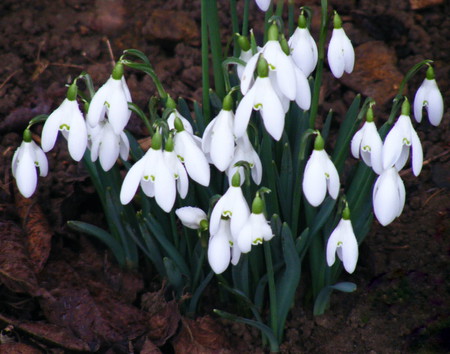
x,y
193,218
219,252
191,155
112,99
153,175
244,151
256,229
261,97
176,168
107,145
68,119
343,242
186,125
218,137
341,55
320,175
263,4
26,159
428,95
303,48
231,205
400,139
367,144
388,196
278,62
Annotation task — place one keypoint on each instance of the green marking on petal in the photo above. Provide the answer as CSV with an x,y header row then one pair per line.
x,y
339,243
257,241
107,104
36,163
227,213
64,127
145,178
367,148
231,243
257,106
327,175
180,158
272,67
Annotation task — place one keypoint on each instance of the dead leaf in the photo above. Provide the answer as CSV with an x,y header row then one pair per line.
x,y
201,336
149,348
49,333
16,271
18,348
37,229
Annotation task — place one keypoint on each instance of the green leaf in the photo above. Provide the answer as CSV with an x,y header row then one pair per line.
x,y
198,292
174,275
323,299
285,182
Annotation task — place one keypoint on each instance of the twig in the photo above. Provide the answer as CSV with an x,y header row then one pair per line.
x,y
111,54
10,76
426,162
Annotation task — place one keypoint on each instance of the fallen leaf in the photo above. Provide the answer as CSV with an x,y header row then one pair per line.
x,y
149,348
18,348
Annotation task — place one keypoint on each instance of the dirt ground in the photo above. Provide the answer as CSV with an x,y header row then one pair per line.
x,y
403,299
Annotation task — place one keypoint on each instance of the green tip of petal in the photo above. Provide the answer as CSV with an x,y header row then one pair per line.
x,y
227,103
273,32
204,225
170,103
117,71
406,108
319,143
27,135
346,213
169,144
236,180
369,115
257,205
72,92
263,67
284,45
156,141
430,73
244,43
337,22
302,21
178,124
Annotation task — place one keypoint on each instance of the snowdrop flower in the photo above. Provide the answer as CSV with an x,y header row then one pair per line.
x,y
107,145
263,4
68,119
398,142
176,168
278,62
256,228
341,55
245,55
112,98
320,174
261,97
191,155
231,205
367,144
428,95
244,151
218,138
154,176
388,196
26,159
219,252
193,218
343,242
303,47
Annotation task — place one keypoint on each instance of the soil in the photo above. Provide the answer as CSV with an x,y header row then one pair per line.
x,y
402,301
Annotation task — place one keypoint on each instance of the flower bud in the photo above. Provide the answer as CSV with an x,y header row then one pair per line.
x,y
243,42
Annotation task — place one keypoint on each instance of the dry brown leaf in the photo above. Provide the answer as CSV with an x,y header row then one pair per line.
x,y
201,336
16,271
18,348
163,317
149,348
49,333
37,229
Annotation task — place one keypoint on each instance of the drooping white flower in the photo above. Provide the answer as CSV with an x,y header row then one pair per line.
x,y
112,99
320,175
192,217
244,151
191,154
303,47
68,119
341,55
186,125
263,4
367,144
343,242
219,252
256,229
218,138
261,97
400,139
428,95
26,159
153,175
107,145
388,196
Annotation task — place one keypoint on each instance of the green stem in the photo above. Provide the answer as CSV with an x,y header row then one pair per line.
x,y
205,62
272,288
245,18
235,27
319,70
291,21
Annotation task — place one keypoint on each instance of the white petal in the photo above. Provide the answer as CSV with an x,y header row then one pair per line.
x,y
97,106
392,147
356,142
303,92
131,181
335,53
263,4
26,175
222,148
118,112
349,56
271,111
435,107
314,180
219,249
77,141
109,148
333,182
419,99
386,195
191,216
41,159
194,160
247,75
207,136
51,127
240,211
349,247
417,153
244,240
165,187
171,122
124,146
244,111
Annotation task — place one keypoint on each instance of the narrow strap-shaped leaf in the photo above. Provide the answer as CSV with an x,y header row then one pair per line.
x,y
198,292
323,299
285,182
174,275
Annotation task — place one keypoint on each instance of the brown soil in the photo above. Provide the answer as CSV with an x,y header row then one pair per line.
x,y
67,293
